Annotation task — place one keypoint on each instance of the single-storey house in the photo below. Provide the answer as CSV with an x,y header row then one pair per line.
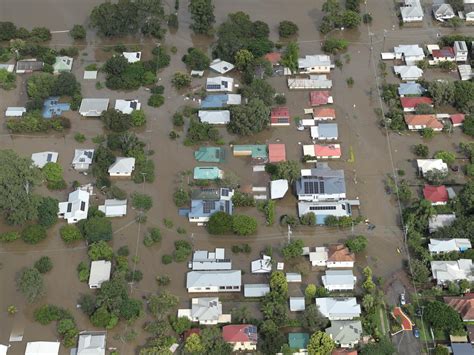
x,y
202,209
318,98
243,337
127,106
457,119
256,290
123,166
461,51
325,132
345,333
132,57
278,188
313,82
220,100
42,158
464,305
324,114
319,257
440,220
411,11
438,246
206,311
208,173
276,152
408,72
53,107
262,266
319,63
280,116
339,280
409,104
214,281
209,154
28,66
219,83
82,159
91,343
210,260
62,64
322,151
465,72
42,348
445,54
445,271
220,117
410,89
437,195
297,304
419,122
410,53
221,66
93,107
76,207
90,74
15,111
114,208
443,12
339,256
323,209
321,184
427,165
256,151
99,273
339,308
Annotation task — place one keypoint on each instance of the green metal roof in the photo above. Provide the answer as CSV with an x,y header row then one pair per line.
x,y
259,151
209,154
298,340
207,173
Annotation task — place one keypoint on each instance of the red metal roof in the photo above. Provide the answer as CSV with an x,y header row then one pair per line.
x,y
411,102
435,193
331,150
239,333
324,112
280,112
341,351
317,98
446,52
276,153
429,121
457,118
463,305
273,57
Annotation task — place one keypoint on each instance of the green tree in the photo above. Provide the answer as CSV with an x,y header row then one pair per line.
x,y
220,223
193,344
293,250
310,291
353,5
196,59
290,57
138,118
40,34
278,283
441,350
30,283
259,89
156,100
421,150
464,96
334,45
181,324
181,80
96,228
100,251
468,125
70,233
160,305
53,173
244,225
287,29
435,176
7,80
243,59
368,302
40,85
466,197
249,119
420,273
8,237
142,201
312,319
383,347
357,244
44,264
78,32
320,343
115,120
442,317
33,234
181,197
442,92
202,15
8,31
213,343
48,211
288,170
447,157
308,219
351,19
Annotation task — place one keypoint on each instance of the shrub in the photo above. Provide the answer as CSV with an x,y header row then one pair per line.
x,y
357,244
181,197
367,18
244,225
134,276
33,234
421,150
334,45
427,133
158,90
70,233
153,236
183,250
280,99
181,80
309,219
96,228
219,223
79,137
30,283
48,212
178,119
83,271
163,280
156,100
100,251
167,259
123,251
142,201
44,264
287,29
9,237
48,313
243,200
196,59
78,32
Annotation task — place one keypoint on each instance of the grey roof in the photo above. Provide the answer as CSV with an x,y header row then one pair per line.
x,y
29,64
338,307
214,278
93,106
91,343
410,89
214,117
462,348
206,309
338,277
293,277
345,331
297,304
328,130
440,220
443,11
323,180
256,290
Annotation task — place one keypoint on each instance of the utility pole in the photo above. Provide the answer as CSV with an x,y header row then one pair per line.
x,y
384,36
289,234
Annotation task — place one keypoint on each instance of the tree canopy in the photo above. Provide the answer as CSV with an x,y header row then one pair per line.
x,y
202,15
30,283
320,343
249,119
290,57
443,317
196,59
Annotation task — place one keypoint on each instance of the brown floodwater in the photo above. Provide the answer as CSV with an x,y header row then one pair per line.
x,y
358,127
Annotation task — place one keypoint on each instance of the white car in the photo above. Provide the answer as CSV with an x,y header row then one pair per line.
x,y
402,299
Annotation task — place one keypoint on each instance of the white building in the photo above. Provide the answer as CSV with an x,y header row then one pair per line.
x,y
278,188
440,220
427,165
443,12
219,83
42,158
82,159
319,257
114,208
345,333
76,207
218,117
411,11
210,260
221,66
91,343
410,53
461,51
122,166
445,271
206,311
325,132
99,273
408,72
319,63
339,256
127,106
339,280
93,107
256,290
313,82
42,348
297,304
15,111
62,64
132,57
214,281
465,72
338,308
262,266
293,277
438,246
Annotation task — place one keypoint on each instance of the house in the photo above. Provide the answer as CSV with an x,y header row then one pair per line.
x,y
325,132
443,12
280,116
273,57
419,122
90,74
82,159
319,63
461,348
409,104
438,246
324,209
339,280
214,281
321,184
408,72
324,114
207,260
243,337
345,333
221,66
219,83
15,111
297,304
323,151
440,221
410,89
339,256
469,11
42,158
208,173
9,68
461,51
202,209
256,290
209,154
123,166
276,153
278,188
313,82
437,195
28,66
446,271
132,57
457,119
464,305
427,165
62,64
298,342
206,311
293,277
91,343
445,54
99,273
93,107
114,208
410,53
319,257
411,11
42,348
76,207
220,100
338,308
214,117
52,107
262,266
465,71
127,106
318,98
257,152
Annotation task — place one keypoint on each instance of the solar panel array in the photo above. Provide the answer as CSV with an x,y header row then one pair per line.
x,y
213,87
313,187
208,206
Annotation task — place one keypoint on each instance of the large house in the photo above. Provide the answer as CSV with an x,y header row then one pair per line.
x,y
445,54
427,165
410,104
243,337
42,348
214,281
411,11
207,260
127,106
339,280
322,151
82,159
325,132
464,305
311,83
202,208
76,207
280,116
99,273
93,107
91,343
221,100
419,122
206,311
321,184
28,66
410,53
438,246
345,333
408,72
338,308
219,83
437,195
123,166
324,114
324,209
217,117
276,152
42,158
319,63
452,271
442,11
410,89
339,256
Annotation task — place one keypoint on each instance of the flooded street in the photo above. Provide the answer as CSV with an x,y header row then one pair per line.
x,y
359,130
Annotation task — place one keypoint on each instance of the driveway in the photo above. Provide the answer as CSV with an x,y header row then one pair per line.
x,y
406,343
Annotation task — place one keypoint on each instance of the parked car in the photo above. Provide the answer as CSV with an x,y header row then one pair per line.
x,y
416,332
402,299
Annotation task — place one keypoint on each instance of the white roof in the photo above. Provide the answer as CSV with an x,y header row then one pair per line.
x,y
440,220
114,208
93,107
90,74
263,265
76,207
452,270
42,158
9,68
3,349
206,308
127,106
83,156
199,73
317,60
214,117
42,348
15,111
91,343
63,63
256,290
234,99
339,278
319,255
297,304
338,307
214,278
278,188
99,273
221,66
122,165
448,245
426,165
219,83
132,57
408,71
409,50
293,277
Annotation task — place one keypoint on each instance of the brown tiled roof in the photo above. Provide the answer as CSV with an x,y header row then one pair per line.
x,y
341,351
338,252
463,305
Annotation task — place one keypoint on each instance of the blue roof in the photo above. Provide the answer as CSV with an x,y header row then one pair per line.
x,y
209,154
207,173
214,101
52,107
410,89
205,208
